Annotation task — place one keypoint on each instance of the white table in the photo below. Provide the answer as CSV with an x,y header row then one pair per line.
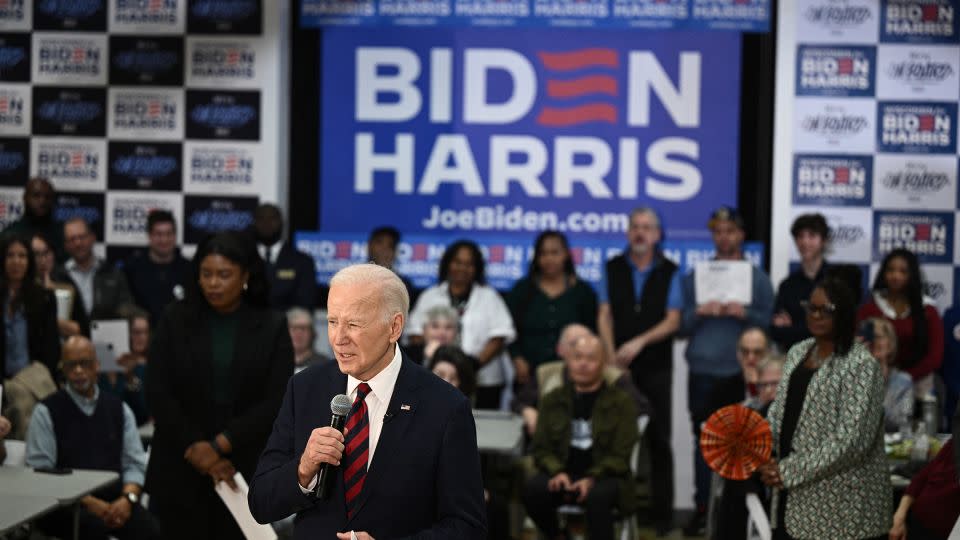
x,y
16,510
499,432
65,489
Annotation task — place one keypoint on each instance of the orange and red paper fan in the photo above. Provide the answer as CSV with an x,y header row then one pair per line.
x,y
735,441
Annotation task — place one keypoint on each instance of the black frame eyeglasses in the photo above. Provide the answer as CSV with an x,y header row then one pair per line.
x,y
70,365
825,310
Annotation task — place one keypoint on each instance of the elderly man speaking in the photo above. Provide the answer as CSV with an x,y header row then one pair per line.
x,y
407,466
80,427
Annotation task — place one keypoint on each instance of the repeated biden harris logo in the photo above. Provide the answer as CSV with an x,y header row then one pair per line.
x,y
836,71
840,180
917,128
919,21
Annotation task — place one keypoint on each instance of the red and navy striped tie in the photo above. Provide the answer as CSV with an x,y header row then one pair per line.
x,y
357,448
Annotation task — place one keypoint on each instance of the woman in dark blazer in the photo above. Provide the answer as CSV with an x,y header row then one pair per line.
x,y
217,370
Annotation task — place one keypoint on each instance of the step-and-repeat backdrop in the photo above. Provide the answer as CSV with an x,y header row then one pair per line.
x,y
866,131
132,105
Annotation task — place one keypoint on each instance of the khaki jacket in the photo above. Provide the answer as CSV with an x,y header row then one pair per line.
x,y
614,424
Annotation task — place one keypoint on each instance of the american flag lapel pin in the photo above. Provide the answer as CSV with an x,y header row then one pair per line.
x,y
404,407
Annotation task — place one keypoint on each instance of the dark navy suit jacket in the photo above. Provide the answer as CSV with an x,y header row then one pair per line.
x,y
424,481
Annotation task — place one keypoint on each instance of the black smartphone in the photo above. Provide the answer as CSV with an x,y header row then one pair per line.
x,y
60,471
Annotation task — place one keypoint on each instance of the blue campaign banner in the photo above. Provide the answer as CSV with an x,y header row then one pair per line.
x,y
443,131
735,15
507,258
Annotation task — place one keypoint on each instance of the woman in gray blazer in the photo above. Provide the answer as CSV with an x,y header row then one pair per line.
x,y
830,473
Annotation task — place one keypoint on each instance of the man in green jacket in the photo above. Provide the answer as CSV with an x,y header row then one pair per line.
x,y
585,435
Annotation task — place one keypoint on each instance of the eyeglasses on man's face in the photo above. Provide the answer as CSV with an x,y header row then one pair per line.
x,y
70,365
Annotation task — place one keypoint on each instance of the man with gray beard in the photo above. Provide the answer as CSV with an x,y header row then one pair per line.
x,y
640,303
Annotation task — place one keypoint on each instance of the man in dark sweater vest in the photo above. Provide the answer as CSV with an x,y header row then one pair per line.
x,y
640,302
81,428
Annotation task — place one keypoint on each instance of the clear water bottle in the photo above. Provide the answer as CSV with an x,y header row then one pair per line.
x,y
921,444
928,404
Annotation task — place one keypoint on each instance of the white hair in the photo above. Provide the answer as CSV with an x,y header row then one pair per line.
x,y
394,297
774,360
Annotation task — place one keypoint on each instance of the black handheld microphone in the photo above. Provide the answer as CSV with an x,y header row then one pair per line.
x,y
340,406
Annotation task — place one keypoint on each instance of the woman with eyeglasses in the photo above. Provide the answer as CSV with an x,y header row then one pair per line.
x,y
64,289
898,297
829,472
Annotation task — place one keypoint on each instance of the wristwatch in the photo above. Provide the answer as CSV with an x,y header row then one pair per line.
x,y
133,498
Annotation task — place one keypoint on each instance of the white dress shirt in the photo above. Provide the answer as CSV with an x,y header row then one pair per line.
x,y
270,253
378,399
84,280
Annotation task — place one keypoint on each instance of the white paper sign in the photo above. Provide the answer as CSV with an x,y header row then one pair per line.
x,y
236,502
724,281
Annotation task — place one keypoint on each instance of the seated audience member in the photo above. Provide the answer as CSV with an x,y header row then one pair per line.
x,y
30,343
39,199
878,335
78,323
5,428
931,506
103,288
769,374
160,275
128,385
753,347
731,515
303,335
554,375
582,447
452,365
293,281
898,297
80,427
441,328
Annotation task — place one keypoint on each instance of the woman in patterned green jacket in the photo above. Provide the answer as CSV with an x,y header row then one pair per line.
x,y
830,471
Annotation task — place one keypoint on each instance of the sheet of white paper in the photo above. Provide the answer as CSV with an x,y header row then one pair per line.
x,y
64,299
724,281
236,502
111,338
